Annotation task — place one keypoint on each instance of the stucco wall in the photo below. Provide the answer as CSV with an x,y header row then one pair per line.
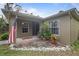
x,y
19,28
65,29
74,29
64,32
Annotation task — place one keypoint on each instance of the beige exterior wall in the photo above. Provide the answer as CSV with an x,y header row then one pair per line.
x,y
68,33
74,30
19,28
65,29
64,32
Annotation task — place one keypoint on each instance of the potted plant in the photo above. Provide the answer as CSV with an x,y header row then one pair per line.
x,y
53,39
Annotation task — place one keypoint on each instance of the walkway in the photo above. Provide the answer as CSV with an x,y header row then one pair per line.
x,y
4,42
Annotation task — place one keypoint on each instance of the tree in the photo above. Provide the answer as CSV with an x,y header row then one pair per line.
x,y
3,26
9,6
12,6
18,8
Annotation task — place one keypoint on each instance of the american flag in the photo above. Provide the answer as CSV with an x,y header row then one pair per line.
x,y
12,33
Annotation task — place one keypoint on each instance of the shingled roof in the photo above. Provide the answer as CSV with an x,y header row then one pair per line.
x,y
23,15
73,12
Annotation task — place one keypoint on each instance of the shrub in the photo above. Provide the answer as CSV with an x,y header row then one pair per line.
x,y
45,32
45,35
4,36
75,45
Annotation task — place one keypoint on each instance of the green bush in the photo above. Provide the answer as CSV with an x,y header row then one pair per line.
x,y
4,36
45,32
45,35
75,45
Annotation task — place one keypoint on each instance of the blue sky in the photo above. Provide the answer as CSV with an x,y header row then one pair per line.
x,y
47,9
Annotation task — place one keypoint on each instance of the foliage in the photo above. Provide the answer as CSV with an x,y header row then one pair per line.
x,y
18,8
45,33
4,36
3,26
75,45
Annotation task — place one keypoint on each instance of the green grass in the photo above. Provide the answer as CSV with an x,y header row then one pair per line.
x,y
75,45
5,51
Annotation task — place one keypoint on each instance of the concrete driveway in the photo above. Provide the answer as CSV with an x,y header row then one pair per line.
x,y
4,42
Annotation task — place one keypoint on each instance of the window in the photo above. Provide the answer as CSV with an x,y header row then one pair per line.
x,y
54,27
25,27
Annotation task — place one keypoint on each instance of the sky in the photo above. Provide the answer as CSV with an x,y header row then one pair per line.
x,y
45,9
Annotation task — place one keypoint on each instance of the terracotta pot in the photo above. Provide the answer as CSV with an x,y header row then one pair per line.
x,y
53,40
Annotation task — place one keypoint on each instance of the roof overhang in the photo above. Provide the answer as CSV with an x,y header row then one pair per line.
x,y
22,16
73,12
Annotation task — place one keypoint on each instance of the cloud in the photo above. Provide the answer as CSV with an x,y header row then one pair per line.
x,y
75,5
32,10
35,11
41,13
1,6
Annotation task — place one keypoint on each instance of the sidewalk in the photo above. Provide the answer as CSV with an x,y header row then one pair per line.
x,y
4,42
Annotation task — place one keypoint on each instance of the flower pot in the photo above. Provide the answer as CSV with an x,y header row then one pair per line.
x,y
53,40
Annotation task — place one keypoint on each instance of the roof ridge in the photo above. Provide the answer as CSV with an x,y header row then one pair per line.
x,y
60,13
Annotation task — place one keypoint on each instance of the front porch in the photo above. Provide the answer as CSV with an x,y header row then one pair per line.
x,y
26,28
34,41
35,44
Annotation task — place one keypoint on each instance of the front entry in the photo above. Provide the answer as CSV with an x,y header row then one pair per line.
x,y
35,28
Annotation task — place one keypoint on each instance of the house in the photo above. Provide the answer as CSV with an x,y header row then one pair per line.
x,y
65,24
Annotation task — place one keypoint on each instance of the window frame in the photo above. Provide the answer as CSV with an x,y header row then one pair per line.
x,y
58,26
25,27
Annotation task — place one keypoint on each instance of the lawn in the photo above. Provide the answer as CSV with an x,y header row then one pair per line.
x,y
5,51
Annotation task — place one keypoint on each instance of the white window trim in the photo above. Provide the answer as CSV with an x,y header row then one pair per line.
x,y
58,26
27,27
